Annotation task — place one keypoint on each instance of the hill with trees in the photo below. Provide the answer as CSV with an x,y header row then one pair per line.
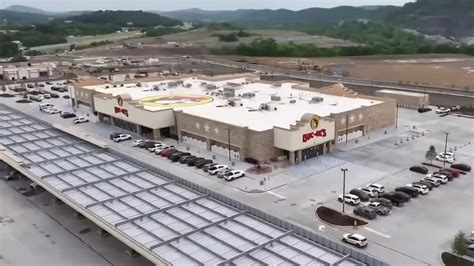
x,y
125,18
8,17
448,18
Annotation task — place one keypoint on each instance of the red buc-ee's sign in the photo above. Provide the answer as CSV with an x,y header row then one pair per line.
x,y
315,134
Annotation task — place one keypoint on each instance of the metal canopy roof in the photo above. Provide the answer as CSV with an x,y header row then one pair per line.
x,y
178,224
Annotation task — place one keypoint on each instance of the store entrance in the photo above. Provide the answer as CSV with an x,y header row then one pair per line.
x,y
312,152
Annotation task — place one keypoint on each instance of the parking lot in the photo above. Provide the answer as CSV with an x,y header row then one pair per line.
x,y
428,222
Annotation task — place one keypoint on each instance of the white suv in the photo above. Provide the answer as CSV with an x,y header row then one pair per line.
x,y
122,137
371,191
216,168
442,178
155,146
234,174
421,188
349,198
379,188
446,157
355,239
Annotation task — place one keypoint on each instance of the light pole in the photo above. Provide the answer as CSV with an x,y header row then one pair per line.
x,y
347,127
344,170
396,118
228,139
445,148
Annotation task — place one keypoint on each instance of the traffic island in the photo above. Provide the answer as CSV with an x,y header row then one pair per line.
x,y
334,217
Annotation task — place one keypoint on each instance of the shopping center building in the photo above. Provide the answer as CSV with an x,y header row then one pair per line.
x,y
256,119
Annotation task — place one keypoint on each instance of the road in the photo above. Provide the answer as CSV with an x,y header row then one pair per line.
x,y
324,78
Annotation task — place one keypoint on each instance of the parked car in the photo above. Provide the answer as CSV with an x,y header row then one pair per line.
x,y
45,106
413,192
122,137
138,142
442,178
205,168
175,157
363,196
53,110
395,197
155,146
443,110
448,175
162,148
221,173
385,202
185,158
48,83
350,199
80,120
422,189
165,153
372,192
429,185
203,163
355,239
461,166
443,158
434,181
67,114
419,169
216,168
379,208
452,171
190,160
54,95
234,174
365,212
378,187
114,135
147,144
193,162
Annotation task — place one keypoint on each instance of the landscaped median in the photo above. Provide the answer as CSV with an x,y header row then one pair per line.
x,y
334,217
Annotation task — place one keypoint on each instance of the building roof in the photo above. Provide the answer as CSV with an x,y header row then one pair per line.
x,y
175,223
293,103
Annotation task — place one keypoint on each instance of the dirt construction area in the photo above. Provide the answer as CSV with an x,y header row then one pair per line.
x,y
443,70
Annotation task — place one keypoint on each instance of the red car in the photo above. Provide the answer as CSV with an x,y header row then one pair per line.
x,y
167,151
452,171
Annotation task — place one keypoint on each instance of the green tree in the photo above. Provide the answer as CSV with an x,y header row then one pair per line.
x,y
431,154
459,246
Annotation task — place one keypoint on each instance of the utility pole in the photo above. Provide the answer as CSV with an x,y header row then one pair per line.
x,y
347,127
396,118
344,170
228,139
445,148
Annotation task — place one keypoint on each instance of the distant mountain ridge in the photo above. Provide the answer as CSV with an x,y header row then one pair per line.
x,y
32,10
269,17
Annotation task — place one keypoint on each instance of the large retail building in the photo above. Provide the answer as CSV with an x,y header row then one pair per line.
x,y
256,119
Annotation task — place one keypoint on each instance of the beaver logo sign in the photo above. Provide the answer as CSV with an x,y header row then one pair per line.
x,y
314,123
119,108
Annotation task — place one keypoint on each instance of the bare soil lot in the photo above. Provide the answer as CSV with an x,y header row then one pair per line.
x,y
444,70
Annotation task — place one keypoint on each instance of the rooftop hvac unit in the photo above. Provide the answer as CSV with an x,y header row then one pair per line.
x,y
292,101
229,94
316,99
275,98
210,87
234,102
232,84
248,95
172,84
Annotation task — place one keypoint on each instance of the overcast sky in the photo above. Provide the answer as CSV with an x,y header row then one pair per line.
x,y
64,5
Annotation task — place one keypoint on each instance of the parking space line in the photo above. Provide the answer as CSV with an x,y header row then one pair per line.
x,y
377,232
276,195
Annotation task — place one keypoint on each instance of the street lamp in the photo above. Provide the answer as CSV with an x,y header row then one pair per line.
x,y
228,139
445,148
344,170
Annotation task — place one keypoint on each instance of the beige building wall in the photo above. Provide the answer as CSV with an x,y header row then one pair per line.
x,y
258,145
